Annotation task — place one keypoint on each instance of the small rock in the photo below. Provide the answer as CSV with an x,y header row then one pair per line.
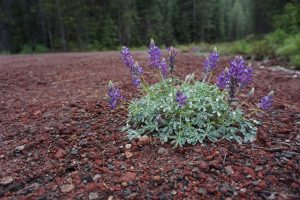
x,y
128,154
202,191
229,170
156,178
127,192
67,188
258,168
225,187
87,179
298,137
110,198
162,151
203,166
74,151
145,139
128,176
132,196
6,180
243,190
20,148
2,156
124,184
93,195
96,177
59,153
248,176
128,146
83,143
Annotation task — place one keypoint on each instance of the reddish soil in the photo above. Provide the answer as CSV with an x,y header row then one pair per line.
x,y
59,139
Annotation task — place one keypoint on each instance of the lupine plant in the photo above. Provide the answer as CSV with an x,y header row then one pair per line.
x,y
189,111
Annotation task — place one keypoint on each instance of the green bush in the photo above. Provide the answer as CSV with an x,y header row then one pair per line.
x,y
26,49
295,60
41,49
290,47
206,115
241,47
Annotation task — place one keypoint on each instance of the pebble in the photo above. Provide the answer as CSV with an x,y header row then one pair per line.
x,y
128,146
74,151
6,180
59,153
87,179
202,191
93,195
96,177
156,178
248,176
203,166
67,188
20,148
243,190
124,184
229,170
144,139
2,156
128,176
258,168
162,151
83,143
128,154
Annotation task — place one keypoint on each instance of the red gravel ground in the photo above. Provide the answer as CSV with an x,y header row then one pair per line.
x,y
59,139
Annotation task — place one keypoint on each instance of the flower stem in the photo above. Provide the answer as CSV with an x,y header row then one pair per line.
x,y
210,75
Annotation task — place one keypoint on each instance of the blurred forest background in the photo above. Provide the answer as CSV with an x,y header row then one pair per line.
x,y
262,27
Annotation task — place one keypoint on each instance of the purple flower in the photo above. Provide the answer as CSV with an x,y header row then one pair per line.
x,y
127,57
240,72
136,72
211,61
172,54
154,55
266,101
114,94
163,68
238,75
223,79
181,98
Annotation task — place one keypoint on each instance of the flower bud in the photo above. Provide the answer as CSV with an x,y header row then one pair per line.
x,y
271,94
251,93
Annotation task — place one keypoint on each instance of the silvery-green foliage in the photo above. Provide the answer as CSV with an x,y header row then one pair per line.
x,y
207,115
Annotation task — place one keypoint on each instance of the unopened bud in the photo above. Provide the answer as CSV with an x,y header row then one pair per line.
x,y
251,93
152,43
271,94
226,70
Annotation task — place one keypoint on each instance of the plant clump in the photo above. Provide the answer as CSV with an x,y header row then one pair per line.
x,y
191,111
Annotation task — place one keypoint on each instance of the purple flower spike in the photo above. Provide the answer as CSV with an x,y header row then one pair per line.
x,y
223,79
211,61
266,101
114,94
127,57
154,55
181,98
172,54
240,72
163,68
136,72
